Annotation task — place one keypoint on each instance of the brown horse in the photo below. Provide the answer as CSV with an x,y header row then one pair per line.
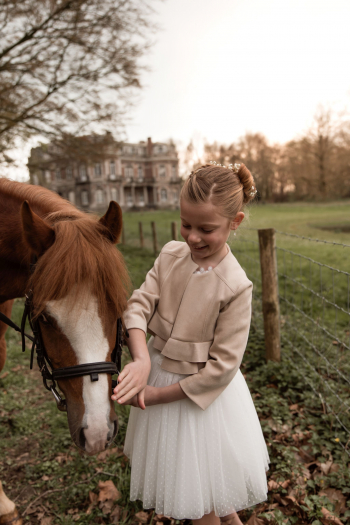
x,y
79,289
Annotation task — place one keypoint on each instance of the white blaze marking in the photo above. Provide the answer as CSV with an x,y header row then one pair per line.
x,y
83,328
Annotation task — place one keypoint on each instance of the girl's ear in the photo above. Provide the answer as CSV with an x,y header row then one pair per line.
x,y
237,220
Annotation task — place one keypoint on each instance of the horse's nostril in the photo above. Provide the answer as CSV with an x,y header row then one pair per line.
x,y
82,439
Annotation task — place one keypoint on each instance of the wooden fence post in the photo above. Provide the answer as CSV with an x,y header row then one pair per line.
x,y
141,235
154,235
270,304
174,231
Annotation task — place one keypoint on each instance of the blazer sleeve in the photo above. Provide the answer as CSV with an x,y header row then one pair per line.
x,y
226,352
143,302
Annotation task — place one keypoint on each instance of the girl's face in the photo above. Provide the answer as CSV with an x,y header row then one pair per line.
x,y
205,230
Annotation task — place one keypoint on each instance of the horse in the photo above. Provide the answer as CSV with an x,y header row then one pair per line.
x,y
66,262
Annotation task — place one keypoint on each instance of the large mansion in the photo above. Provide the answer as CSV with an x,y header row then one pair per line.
x,y
135,175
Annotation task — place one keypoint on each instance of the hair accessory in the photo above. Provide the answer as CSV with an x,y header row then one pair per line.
x,y
234,167
253,191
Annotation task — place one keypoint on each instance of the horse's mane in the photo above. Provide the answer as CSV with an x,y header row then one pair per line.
x,y
81,256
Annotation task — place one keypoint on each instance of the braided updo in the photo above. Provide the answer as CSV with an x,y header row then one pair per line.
x,y
228,188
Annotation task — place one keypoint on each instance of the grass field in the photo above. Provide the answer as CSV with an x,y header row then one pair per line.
x,y
301,219
309,476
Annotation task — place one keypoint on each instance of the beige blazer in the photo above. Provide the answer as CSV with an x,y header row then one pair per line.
x,y
200,322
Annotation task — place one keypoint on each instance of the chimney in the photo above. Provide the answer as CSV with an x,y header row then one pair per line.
x,y
149,147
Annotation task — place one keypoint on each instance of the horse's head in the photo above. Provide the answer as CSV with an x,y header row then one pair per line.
x,y
79,289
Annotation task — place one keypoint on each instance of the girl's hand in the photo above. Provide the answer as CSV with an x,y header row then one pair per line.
x,y
133,402
132,381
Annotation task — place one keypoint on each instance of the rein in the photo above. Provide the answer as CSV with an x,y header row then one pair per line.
x,y
48,372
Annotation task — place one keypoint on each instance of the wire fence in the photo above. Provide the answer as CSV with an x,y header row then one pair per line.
x,y
314,300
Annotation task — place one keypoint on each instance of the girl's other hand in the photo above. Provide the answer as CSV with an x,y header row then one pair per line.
x,y
131,382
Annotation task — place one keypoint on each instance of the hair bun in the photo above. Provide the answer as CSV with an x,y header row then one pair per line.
x,y
247,181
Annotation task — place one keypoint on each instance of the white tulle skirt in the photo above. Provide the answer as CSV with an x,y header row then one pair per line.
x,y
187,462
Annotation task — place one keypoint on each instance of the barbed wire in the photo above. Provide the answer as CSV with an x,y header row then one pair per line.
x,y
312,239
314,302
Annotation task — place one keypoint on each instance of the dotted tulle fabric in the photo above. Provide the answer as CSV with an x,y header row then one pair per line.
x,y
187,462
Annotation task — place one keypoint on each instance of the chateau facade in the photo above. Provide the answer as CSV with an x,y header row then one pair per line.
x,y
139,176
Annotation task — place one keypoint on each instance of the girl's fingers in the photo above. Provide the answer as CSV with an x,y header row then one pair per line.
x,y
128,396
123,373
126,385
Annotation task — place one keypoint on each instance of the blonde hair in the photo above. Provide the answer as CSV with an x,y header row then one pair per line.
x,y
223,186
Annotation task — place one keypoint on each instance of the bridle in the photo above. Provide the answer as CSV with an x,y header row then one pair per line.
x,y
50,374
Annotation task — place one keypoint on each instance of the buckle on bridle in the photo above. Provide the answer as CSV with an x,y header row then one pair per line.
x,y
61,403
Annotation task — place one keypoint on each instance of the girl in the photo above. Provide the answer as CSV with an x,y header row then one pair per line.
x,y
197,450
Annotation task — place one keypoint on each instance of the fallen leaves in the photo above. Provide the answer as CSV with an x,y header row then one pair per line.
x,y
106,498
254,520
337,498
142,516
117,451
328,517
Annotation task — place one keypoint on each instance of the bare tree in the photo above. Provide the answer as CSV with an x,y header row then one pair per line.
x,y
68,66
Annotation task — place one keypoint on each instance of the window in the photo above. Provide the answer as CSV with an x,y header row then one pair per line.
x,y
98,170
69,173
162,171
82,173
84,198
99,196
140,173
163,195
71,197
140,197
114,194
112,169
161,149
173,172
129,200
47,176
35,179
58,174
141,151
129,172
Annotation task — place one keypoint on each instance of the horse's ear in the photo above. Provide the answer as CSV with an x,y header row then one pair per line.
x,y
37,233
113,221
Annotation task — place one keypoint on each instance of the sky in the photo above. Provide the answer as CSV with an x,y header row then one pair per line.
x,y
221,68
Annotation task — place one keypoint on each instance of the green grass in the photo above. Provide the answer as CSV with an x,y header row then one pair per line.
x,y
37,454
